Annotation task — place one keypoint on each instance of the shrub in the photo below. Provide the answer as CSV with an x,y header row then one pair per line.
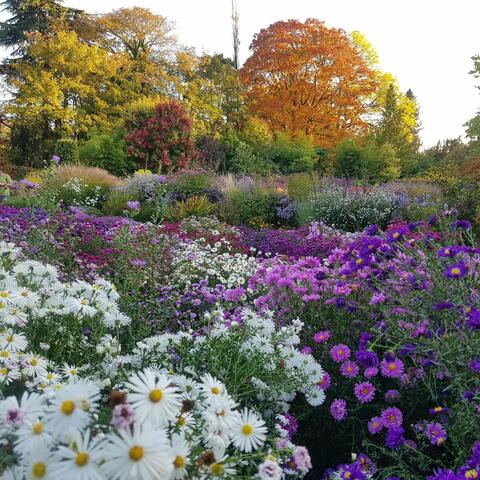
x,y
300,186
246,159
116,202
87,175
67,150
294,154
150,188
190,183
211,152
107,151
163,140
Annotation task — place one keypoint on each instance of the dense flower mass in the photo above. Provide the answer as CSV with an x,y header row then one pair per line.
x,y
120,341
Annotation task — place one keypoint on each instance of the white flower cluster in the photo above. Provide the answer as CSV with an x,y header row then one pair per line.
x,y
278,370
79,194
31,292
163,426
196,260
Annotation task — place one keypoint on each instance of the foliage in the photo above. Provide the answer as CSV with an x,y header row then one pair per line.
x,y
163,140
211,152
107,151
67,150
289,87
194,206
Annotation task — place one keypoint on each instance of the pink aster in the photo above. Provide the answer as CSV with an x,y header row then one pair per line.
x,y
375,425
371,372
324,383
338,409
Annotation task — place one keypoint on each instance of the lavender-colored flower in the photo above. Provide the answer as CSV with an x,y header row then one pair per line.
x,y
437,410
349,369
364,391
436,433
449,252
133,205
395,438
338,409
391,417
56,159
14,418
138,263
366,358
370,372
371,230
375,425
457,270
339,352
392,368
460,224
302,459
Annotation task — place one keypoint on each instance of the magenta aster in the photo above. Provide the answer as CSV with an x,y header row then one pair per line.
x,y
349,369
322,336
392,368
364,391
371,372
436,433
324,383
339,352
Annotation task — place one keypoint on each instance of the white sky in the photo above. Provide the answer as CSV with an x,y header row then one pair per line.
x,y
426,44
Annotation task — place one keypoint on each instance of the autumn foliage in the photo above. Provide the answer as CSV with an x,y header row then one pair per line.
x,y
308,78
162,142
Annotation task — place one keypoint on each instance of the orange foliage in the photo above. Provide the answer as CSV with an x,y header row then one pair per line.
x,y
308,78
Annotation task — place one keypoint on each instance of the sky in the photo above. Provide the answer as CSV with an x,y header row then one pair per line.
x,y
426,44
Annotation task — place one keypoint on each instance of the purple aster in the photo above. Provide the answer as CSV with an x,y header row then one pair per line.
x,y
338,409
437,410
56,159
322,336
391,417
325,382
375,425
349,369
397,235
436,433
443,306
433,220
366,358
473,321
460,224
406,349
371,372
441,474
475,365
392,396
306,350
395,437
364,391
447,252
371,230
138,263
353,472
339,352
457,270
392,368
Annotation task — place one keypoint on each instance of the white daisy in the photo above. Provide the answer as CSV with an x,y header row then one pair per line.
x,y
32,436
34,365
153,398
80,306
248,431
8,373
179,456
37,465
14,342
79,461
70,372
71,407
136,455
211,386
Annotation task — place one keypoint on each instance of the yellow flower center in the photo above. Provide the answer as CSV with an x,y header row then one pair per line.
x,y
182,421
438,409
456,271
37,429
359,261
3,371
24,293
39,470
67,407
34,362
392,366
10,338
247,429
179,462
471,474
396,235
82,459
217,469
49,376
4,294
2,305
156,395
73,372
215,390
136,453
84,302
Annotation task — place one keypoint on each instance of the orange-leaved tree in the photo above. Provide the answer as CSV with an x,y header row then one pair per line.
x,y
308,78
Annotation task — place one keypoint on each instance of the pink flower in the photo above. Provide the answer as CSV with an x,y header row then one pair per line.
x,y
322,336
301,457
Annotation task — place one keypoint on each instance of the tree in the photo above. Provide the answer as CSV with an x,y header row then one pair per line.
x,y
390,127
63,89
307,78
30,16
162,142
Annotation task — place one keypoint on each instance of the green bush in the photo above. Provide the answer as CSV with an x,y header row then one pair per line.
x,y
300,186
255,209
108,151
190,183
294,154
79,194
196,206
67,150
